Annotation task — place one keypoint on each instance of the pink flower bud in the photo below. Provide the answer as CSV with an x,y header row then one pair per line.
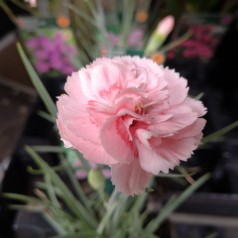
x,y
166,25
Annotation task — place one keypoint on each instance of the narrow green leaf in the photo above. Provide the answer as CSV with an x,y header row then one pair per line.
x,y
48,149
212,235
176,42
59,227
62,221
37,202
175,175
217,134
185,174
45,97
74,205
113,197
99,16
51,191
175,203
76,185
24,198
119,210
40,171
82,14
199,96
146,235
30,208
46,116
129,7
92,7
8,12
43,186
105,220
144,215
83,234
140,200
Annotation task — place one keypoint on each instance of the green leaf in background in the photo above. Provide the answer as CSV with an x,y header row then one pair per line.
x,y
75,183
175,203
57,221
48,148
83,234
199,96
106,219
8,12
45,97
66,166
129,7
176,42
212,235
217,134
46,116
76,207
170,175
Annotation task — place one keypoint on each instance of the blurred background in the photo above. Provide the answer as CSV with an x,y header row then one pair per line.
x,y
60,36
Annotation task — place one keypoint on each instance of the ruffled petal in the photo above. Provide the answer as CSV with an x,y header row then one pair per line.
x,y
91,151
131,178
81,124
116,140
150,159
84,78
105,83
191,130
174,150
182,116
196,106
177,87
73,87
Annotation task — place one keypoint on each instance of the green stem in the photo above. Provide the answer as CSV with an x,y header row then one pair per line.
x,y
73,204
217,134
176,42
45,97
128,13
9,12
174,203
78,189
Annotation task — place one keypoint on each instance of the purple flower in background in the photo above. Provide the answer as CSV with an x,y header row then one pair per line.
x,y
135,39
52,54
200,45
32,43
226,20
41,54
68,69
42,67
113,38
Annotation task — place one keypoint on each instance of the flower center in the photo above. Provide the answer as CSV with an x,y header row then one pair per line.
x,y
139,108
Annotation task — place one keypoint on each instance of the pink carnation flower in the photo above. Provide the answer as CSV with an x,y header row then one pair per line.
x,y
131,114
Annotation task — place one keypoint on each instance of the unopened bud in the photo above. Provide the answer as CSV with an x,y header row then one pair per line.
x,y
158,37
165,26
96,179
